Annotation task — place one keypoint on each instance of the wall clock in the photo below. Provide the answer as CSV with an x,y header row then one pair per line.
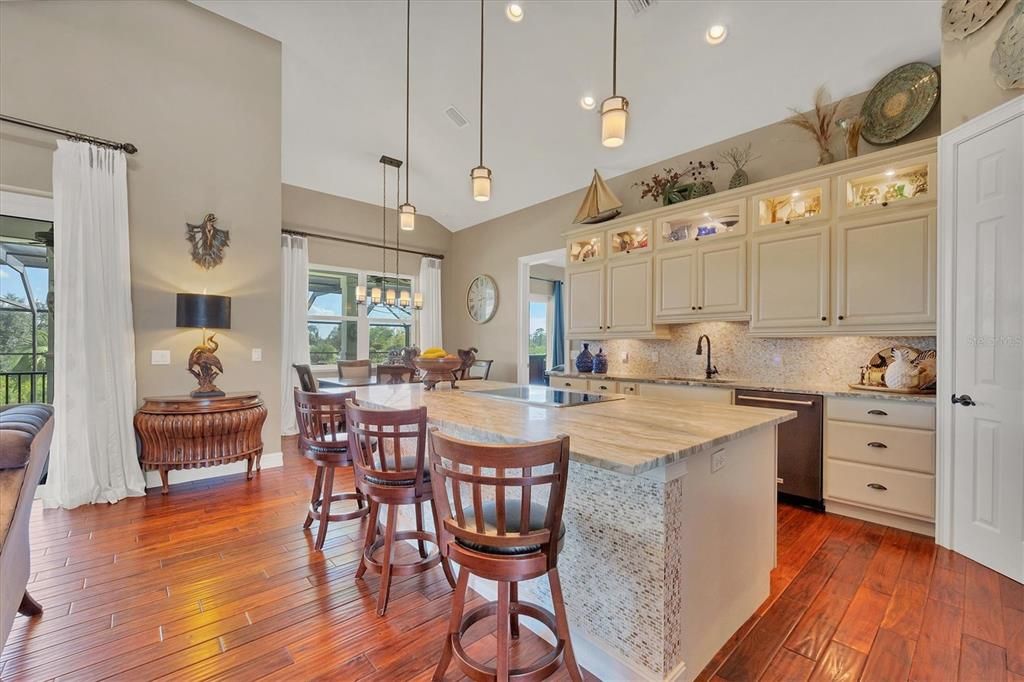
x,y
482,299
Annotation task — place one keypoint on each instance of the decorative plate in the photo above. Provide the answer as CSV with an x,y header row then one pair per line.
x,y
482,299
961,18
899,102
1008,57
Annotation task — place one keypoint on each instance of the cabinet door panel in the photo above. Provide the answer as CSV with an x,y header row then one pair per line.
x,y
676,284
723,279
885,269
586,299
629,295
789,272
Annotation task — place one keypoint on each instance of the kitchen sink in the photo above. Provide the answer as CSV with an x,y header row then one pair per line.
x,y
715,380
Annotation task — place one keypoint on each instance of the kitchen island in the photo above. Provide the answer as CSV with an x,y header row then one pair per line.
x,y
670,512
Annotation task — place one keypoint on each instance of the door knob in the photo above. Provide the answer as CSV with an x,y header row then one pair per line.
x,y
964,400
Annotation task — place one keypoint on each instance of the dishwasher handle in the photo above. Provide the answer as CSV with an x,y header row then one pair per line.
x,y
806,403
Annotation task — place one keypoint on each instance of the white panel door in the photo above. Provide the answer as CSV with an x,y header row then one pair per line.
x,y
675,287
586,299
790,279
723,278
629,295
988,299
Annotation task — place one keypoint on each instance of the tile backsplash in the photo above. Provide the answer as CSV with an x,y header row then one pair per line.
x,y
812,360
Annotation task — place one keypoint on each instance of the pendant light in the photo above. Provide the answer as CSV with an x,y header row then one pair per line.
x,y
481,175
390,295
615,109
407,212
376,295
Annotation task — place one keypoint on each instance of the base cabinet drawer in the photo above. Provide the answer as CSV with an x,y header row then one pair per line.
x,y
884,412
905,492
596,386
629,389
887,446
570,383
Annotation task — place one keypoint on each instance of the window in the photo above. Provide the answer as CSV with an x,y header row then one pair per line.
x,y
24,321
340,329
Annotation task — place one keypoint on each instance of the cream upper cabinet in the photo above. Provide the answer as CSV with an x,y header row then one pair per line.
x,y
789,271
586,299
893,187
722,278
675,287
799,204
885,271
629,295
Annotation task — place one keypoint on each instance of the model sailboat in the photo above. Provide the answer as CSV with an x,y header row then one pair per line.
x,y
599,204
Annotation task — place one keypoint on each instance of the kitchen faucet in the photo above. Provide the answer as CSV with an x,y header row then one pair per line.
x,y
711,370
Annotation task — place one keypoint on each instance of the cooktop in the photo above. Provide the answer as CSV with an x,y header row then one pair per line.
x,y
547,397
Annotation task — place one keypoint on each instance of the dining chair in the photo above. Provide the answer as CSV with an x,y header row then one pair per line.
x,y
478,369
499,509
323,440
389,456
354,369
306,379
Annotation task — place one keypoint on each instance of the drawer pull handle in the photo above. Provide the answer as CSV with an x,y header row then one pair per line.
x,y
877,486
775,400
876,444
603,388
879,413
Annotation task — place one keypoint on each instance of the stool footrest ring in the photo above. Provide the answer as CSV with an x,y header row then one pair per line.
x,y
538,670
432,559
314,508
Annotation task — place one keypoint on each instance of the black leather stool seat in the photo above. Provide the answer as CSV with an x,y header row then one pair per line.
x,y
538,513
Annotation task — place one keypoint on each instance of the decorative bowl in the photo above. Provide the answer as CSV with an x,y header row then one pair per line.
x,y
436,370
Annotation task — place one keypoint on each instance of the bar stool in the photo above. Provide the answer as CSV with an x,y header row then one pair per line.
x,y
507,539
388,453
322,439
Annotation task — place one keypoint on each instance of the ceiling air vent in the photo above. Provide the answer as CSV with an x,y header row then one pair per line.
x,y
641,5
456,116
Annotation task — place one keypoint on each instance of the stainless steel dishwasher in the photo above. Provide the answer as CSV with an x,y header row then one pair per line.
x,y
799,443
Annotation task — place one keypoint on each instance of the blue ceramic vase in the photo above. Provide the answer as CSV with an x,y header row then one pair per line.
x,y
585,360
600,362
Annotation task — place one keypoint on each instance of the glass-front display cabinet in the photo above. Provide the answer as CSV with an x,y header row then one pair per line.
x,y
790,205
586,248
700,224
899,184
630,238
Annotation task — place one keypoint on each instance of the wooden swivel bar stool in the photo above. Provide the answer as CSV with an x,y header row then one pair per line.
x,y
507,539
388,449
322,439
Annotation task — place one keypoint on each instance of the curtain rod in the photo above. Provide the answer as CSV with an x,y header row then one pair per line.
x,y
346,240
126,147
544,279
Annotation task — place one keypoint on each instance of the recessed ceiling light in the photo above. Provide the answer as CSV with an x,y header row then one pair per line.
x,y
715,34
514,12
588,102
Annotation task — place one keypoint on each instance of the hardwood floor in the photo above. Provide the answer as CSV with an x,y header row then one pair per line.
x,y
218,580
852,600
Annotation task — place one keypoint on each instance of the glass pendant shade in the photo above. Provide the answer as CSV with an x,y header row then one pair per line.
x,y
481,176
407,217
360,294
375,294
417,301
403,299
389,297
614,115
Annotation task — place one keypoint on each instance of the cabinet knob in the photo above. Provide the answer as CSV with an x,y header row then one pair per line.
x,y
696,239
693,307
700,307
787,222
885,203
824,319
841,317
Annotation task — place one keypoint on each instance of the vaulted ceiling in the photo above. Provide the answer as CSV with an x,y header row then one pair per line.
x,y
343,69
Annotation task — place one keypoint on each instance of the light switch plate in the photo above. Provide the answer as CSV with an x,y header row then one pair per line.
x,y
257,355
160,357
717,460
624,357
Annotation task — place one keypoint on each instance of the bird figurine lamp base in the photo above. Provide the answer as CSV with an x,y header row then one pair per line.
x,y
205,366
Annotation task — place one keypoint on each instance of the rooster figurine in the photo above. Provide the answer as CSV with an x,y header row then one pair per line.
x,y
205,366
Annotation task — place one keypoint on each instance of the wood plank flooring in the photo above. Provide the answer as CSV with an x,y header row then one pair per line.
x,y
218,581
853,600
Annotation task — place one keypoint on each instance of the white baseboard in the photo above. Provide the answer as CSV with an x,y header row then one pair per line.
x,y
270,460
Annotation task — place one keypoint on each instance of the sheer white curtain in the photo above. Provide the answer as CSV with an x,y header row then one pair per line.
x,y
430,316
294,334
93,456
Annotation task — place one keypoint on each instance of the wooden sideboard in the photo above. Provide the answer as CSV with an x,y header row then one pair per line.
x,y
182,432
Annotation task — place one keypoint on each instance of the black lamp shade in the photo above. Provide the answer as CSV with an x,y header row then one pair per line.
x,y
204,311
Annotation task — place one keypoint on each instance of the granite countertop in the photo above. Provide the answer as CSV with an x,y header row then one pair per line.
x,y
629,436
833,390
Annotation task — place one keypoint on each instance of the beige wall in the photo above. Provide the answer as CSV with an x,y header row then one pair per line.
x,y
968,87
308,211
493,247
201,98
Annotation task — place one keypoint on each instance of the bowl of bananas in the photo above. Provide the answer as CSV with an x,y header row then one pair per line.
x,y
438,366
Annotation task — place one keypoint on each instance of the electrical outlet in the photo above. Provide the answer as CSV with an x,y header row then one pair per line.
x,y
655,357
257,355
717,460
160,357
624,357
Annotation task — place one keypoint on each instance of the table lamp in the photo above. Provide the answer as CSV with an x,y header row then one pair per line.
x,y
205,311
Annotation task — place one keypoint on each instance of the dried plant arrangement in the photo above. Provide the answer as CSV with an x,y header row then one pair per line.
x,y
820,124
851,127
656,187
738,158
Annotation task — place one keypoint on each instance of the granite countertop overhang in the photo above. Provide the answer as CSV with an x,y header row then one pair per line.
x,y
827,390
631,436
